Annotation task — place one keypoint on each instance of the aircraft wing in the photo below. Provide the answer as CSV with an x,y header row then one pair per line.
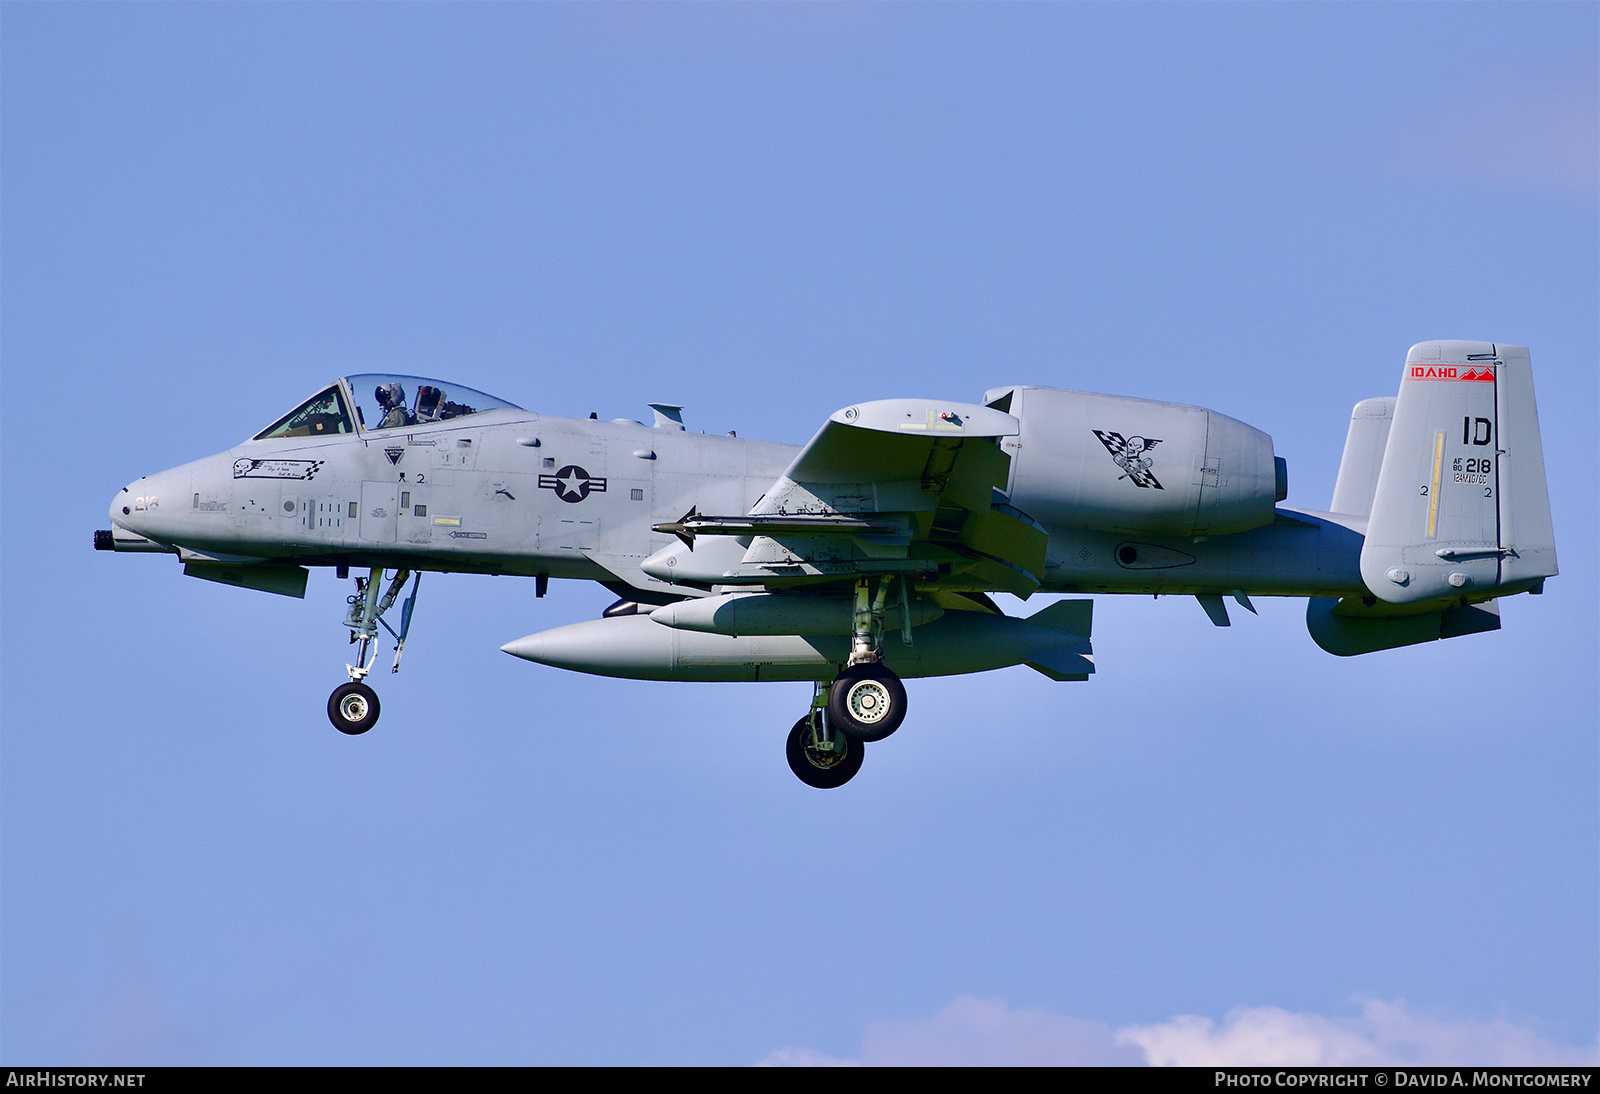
x,y
900,486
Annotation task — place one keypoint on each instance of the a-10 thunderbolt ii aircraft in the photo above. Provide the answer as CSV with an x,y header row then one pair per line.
x,y
867,555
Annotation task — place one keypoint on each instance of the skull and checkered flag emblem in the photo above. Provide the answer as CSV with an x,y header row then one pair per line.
x,y
1129,454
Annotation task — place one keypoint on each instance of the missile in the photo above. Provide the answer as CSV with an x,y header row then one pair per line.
x,y
766,614
636,647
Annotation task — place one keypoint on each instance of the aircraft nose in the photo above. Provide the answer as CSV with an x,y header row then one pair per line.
x,y
122,510
150,505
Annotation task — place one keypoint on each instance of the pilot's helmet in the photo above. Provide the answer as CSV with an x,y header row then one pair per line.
x,y
390,395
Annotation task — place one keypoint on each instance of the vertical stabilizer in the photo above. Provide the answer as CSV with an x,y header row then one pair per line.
x,y
1525,528
1461,506
1363,456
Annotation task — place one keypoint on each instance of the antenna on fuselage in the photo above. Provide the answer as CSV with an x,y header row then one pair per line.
x,y
668,416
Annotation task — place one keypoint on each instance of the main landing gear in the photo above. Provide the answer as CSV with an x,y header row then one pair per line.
x,y
866,702
820,755
353,707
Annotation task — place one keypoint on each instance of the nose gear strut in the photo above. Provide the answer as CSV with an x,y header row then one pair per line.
x,y
353,707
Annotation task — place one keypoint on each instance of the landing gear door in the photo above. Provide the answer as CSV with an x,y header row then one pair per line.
x,y
574,533
380,504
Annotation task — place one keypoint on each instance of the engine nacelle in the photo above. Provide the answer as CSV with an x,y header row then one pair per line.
x,y
1135,465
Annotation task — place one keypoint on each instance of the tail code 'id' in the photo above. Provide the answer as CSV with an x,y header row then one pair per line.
x,y
1461,508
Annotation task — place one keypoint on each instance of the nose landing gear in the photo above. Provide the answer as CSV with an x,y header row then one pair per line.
x,y
353,708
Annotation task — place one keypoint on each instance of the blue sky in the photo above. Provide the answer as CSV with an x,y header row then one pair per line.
x,y
767,212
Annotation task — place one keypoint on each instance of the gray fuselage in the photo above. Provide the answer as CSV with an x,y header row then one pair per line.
x,y
512,492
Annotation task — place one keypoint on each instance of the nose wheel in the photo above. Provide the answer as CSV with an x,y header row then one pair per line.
x,y
353,708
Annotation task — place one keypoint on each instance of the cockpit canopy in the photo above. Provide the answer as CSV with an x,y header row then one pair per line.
x,y
321,415
382,401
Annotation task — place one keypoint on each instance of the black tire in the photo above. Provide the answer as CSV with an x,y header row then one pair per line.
x,y
814,769
353,708
867,701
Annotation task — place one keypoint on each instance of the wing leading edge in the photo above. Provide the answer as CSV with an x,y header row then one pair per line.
x,y
908,487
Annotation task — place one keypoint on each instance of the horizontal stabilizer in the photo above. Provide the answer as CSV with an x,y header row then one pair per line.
x,y
1347,627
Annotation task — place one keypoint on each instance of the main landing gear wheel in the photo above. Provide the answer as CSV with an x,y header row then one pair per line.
x,y
353,708
816,767
867,701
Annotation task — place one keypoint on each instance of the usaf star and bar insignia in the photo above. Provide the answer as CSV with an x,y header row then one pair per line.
x,y
572,483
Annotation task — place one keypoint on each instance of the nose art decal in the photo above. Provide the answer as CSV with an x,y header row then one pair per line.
x,y
1129,454
276,469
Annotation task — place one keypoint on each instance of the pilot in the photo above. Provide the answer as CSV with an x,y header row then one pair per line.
x,y
392,401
